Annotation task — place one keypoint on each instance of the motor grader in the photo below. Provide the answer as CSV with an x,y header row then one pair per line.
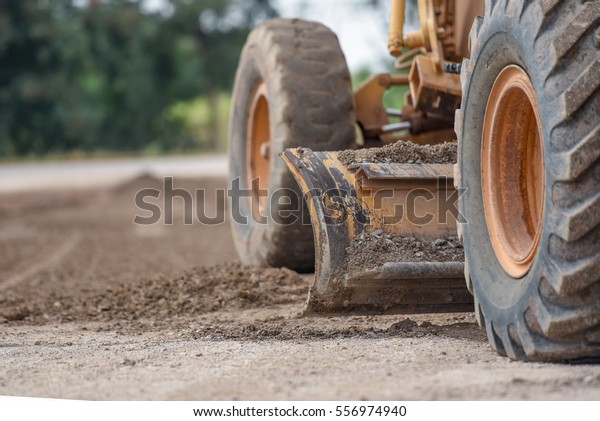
x,y
516,85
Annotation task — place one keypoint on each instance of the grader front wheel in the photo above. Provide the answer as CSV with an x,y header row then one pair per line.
x,y
292,89
529,167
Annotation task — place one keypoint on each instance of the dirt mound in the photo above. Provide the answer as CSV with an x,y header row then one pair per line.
x,y
403,152
372,327
371,250
203,290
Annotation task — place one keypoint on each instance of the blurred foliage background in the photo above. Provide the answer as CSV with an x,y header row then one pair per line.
x,y
98,77
108,76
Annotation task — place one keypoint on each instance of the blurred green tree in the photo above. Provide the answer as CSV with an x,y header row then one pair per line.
x,y
105,76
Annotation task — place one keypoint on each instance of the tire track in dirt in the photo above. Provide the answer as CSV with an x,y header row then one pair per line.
x,y
54,258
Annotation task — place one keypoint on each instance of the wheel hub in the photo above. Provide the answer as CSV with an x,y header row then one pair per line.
x,y
258,151
513,171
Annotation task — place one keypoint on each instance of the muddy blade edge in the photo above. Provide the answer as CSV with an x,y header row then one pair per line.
x,y
344,203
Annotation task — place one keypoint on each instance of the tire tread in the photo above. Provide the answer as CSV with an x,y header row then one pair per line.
x,y
565,312
313,93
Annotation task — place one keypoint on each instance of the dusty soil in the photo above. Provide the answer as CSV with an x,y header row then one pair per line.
x,y
93,306
403,152
193,293
368,251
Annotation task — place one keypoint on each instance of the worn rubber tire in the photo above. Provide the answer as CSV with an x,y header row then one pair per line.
x,y
311,104
553,312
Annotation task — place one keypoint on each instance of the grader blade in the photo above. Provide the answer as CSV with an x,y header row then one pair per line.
x,y
387,203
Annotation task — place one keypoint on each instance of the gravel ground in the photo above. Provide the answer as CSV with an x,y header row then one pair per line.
x,y
95,307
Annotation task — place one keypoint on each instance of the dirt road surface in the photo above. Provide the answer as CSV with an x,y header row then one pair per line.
x,y
93,306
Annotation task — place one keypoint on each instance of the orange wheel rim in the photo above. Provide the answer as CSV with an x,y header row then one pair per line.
x,y
258,150
513,171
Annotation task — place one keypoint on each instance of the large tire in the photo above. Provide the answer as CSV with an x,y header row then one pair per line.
x,y
551,312
300,69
